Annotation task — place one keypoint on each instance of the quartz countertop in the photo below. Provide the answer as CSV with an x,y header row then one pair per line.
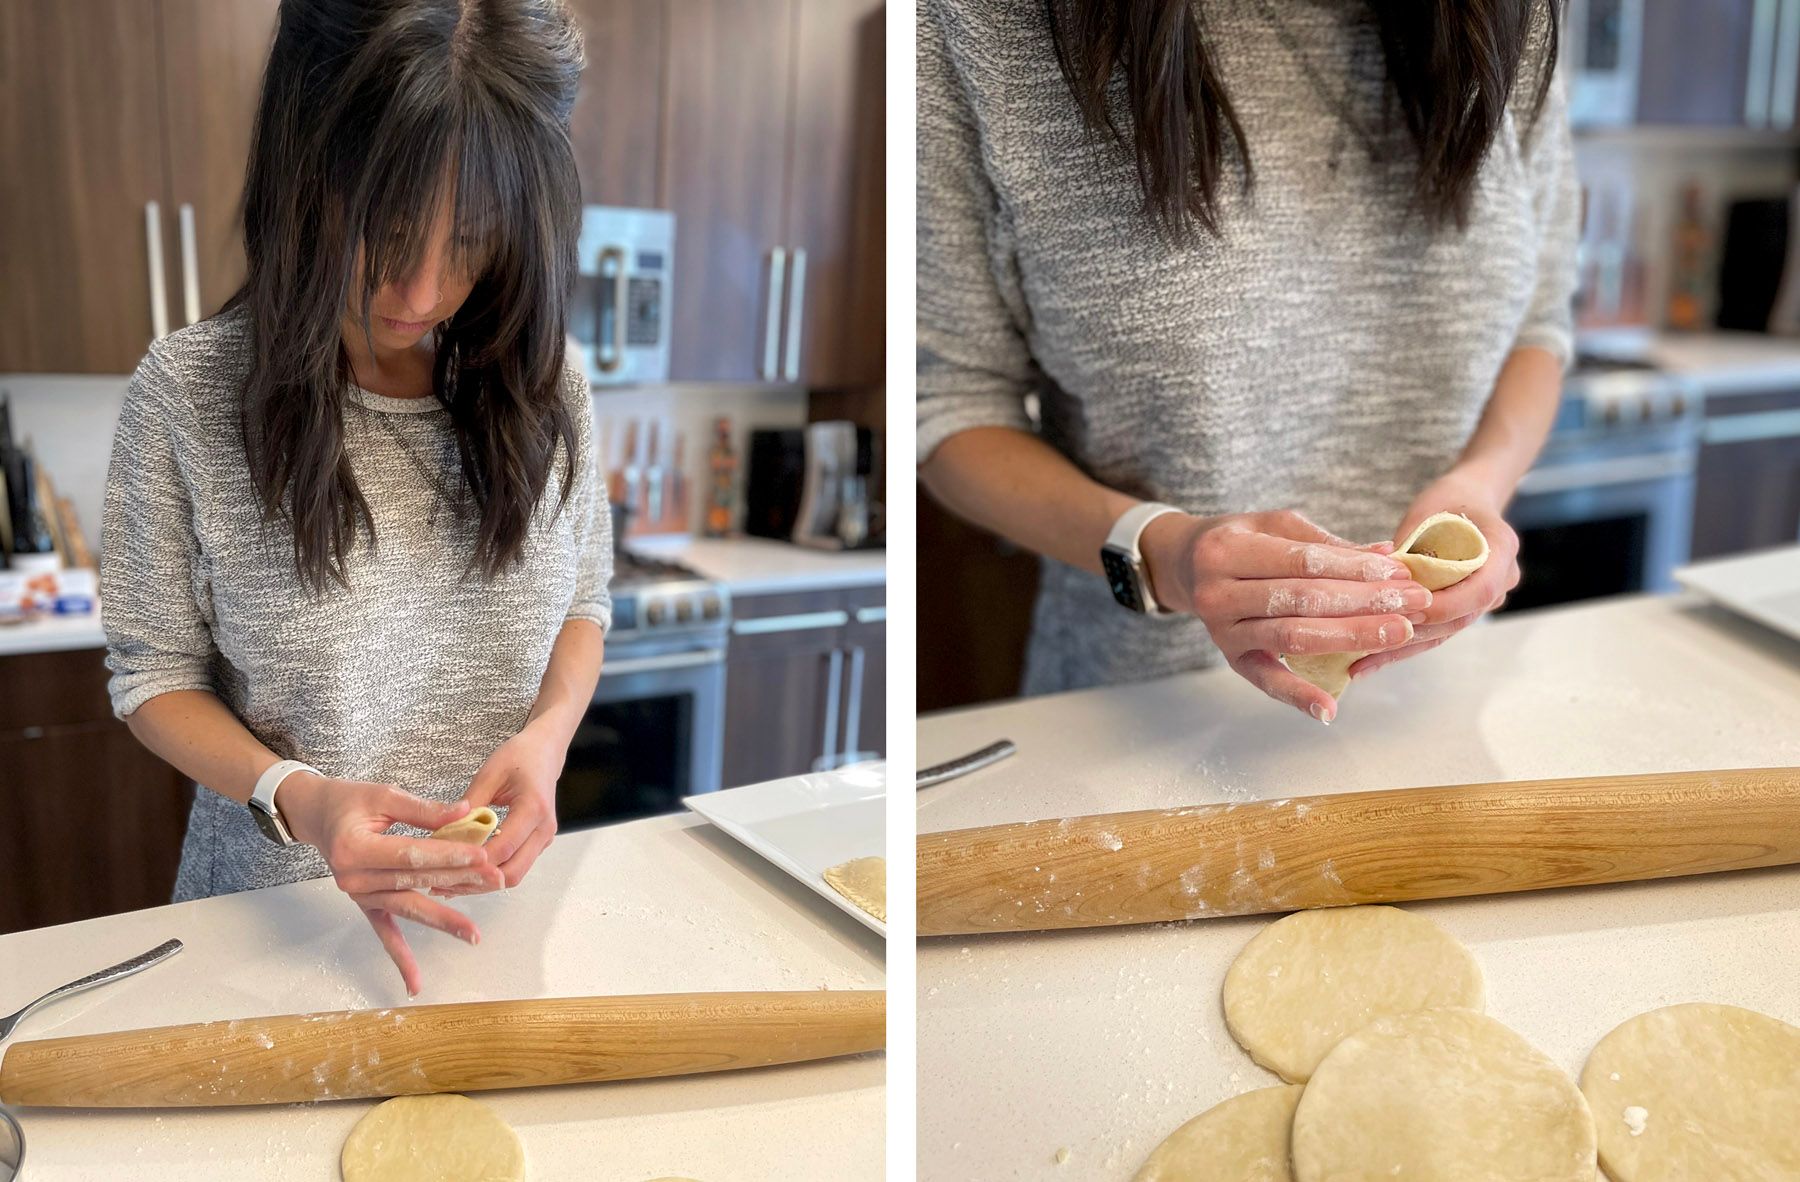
x,y
662,905
1102,1041
756,566
51,634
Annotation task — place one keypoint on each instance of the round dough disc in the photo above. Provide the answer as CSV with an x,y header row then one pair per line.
x,y
1243,1139
1713,1092
1441,1094
1312,977
442,1138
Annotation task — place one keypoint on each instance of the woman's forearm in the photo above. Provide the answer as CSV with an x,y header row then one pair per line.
x,y
1516,420
198,735
1016,485
567,687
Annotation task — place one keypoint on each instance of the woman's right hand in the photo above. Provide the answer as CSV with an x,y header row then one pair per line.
x,y
1272,583
347,820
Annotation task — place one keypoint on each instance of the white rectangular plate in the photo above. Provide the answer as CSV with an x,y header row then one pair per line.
x,y
1764,586
808,824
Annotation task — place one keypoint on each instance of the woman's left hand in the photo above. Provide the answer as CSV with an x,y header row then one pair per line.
x,y
1455,608
520,776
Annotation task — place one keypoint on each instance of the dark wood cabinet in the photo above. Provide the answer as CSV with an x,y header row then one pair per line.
x,y
724,165
804,682
214,52
836,203
1747,484
94,820
1696,63
616,127
81,138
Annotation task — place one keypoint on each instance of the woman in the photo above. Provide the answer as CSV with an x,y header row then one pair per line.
x,y
1300,270
356,558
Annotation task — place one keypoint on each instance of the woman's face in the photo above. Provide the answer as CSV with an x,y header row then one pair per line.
x,y
404,311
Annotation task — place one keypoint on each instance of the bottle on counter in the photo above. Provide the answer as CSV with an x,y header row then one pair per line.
x,y
1687,264
721,499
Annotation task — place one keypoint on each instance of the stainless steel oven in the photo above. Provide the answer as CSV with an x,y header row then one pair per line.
x,y
655,730
1608,509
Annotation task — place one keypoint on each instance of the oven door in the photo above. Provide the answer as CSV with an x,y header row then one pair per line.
x,y
1602,525
653,734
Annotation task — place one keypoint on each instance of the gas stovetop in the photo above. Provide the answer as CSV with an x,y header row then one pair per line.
x,y
658,600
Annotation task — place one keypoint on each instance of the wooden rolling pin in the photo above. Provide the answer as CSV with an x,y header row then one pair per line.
x,y
1362,847
466,1047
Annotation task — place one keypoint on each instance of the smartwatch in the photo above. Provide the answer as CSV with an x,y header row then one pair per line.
x,y
263,809
1124,563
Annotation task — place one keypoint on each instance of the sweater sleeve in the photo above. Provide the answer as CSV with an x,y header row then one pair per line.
x,y
1549,159
593,529
157,637
974,366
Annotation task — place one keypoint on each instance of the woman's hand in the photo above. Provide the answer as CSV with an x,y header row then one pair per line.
x,y
1272,583
520,776
347,820
1465,491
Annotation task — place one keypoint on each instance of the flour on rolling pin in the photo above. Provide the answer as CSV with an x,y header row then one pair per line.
x,y
473,829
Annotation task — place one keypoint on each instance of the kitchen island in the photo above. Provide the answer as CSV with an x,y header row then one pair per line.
x,y
662,905
1102,1041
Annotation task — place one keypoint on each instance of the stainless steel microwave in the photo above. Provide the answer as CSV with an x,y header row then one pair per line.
x,y
620,319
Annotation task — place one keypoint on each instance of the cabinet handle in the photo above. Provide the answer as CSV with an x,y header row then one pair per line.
x,y
871,615
801,622
159,296
832,692
1787,65
772,327
190,265
1762,64
853,711
796,314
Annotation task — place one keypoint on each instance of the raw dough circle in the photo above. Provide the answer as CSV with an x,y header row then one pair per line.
x,y
441,1138
1311,978
1713,1090
1441,1094
1243,1139
863,881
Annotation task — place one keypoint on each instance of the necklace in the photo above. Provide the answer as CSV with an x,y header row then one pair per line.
x,y
441,492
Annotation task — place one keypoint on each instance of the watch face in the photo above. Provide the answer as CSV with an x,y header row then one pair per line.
x,y
1122,577
266,822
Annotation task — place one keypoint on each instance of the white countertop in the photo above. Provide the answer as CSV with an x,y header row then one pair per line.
x,y
51,634
1104,1040
1724,363
755,566
664,905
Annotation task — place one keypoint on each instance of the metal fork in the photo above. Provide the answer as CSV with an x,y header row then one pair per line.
x,y
124,968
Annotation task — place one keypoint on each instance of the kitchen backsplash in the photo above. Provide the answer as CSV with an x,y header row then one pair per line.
x,y
70,420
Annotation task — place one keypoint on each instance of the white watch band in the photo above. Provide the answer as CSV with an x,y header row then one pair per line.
x,y
1124,537
270,780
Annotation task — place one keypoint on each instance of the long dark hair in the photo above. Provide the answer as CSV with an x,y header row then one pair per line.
x,y
373,114
1452,65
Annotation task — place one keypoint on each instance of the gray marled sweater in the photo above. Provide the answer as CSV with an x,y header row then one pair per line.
x,y
413,676
1328,353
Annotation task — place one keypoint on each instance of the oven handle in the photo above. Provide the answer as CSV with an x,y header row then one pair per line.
x,y
1601,473
705,656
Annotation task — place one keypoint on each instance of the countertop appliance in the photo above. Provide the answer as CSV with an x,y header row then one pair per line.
x,y
1608,508
655,730
619,320
813,486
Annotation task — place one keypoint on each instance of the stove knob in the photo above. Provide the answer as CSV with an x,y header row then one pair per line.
x,y
709,607
1609,414
1647,411
684,610
657,612
1677,405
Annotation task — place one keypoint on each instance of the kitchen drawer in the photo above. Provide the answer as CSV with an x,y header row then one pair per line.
x,y
53,689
